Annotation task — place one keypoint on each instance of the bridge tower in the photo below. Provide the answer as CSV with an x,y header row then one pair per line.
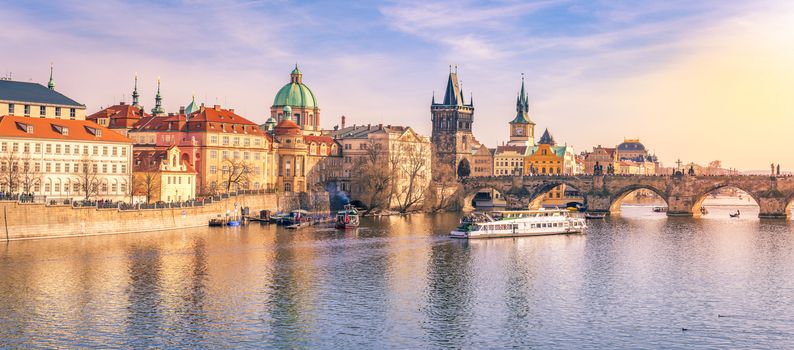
x,y
452,120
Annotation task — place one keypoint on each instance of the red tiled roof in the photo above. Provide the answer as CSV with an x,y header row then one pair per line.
x,y
150,160
206,119
121,115
47,128
318,139
287,126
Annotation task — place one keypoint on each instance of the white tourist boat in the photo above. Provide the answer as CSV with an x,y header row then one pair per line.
x,y
517,223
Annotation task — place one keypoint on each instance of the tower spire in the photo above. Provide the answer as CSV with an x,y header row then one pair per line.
x,y
51,83
158,101
135,95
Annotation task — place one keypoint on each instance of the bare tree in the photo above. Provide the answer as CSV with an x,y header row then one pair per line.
x,y
29,175
235,174
373,176
88,180
442,188
146,184
413,175
9,172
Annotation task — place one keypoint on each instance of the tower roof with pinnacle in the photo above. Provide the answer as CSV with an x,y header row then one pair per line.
x,y
453,95
547,139
192,107
51,83
522,107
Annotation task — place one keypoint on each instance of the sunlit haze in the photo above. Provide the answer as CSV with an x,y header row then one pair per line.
x,y
699,81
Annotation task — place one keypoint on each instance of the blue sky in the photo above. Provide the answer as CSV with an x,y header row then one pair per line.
x,y
596,71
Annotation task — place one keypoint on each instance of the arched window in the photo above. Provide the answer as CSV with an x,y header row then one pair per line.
x,y
313,149
173,161
323,149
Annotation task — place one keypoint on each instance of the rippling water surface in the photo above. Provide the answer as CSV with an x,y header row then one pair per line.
x,y
640,280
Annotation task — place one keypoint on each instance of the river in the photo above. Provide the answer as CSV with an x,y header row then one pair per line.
x,y
638,281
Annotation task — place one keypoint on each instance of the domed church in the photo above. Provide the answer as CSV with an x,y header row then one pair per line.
x,y
297,102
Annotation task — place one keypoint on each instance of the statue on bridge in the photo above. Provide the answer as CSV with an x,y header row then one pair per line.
x,y
598,169
611,169
691,171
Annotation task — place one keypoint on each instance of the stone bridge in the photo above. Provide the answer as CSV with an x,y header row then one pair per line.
x,y
604,193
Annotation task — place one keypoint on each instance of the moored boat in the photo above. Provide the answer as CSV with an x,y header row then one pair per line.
x,y
592,215
660,209
518,223
347,218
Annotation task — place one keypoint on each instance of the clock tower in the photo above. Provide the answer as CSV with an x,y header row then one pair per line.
x,y
522,129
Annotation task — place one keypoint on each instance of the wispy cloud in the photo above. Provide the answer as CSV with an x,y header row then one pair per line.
x,y
585,61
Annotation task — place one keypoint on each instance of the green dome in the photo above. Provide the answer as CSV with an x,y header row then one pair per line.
x,y
295,95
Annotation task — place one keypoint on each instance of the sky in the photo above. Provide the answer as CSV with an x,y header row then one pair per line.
x,y
693,80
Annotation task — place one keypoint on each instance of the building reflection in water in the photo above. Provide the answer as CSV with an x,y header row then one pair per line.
x,y
144,309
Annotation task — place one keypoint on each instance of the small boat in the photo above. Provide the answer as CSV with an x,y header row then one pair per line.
x,y
660,209
296,219
735,215
703,211
217,222
518,223
591,215
233,223
347,218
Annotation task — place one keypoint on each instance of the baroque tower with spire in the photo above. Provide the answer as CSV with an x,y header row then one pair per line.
x,y
522,129
452,120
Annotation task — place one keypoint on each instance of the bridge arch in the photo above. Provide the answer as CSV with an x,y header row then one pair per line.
x,y
466,194
617,198
698,200
536,195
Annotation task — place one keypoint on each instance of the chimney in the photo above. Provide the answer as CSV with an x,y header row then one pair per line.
x,y
369,126
216,107
380,126
181,109
231,110
123,103
343,122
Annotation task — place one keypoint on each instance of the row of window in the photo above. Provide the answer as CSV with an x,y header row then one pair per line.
x,y
511,163
67,149
236,155
225,169
67,168
42,111
177,180
235,141
76,188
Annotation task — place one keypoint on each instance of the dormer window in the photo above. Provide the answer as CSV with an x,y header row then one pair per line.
x,y
94,131
61,129
27,128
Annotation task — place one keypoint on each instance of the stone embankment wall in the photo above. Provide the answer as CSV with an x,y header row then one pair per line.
x,y
33,221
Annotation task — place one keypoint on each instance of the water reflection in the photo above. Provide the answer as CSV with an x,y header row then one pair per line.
x,y
632,282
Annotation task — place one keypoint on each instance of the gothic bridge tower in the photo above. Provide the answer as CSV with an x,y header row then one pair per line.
x,y
452,119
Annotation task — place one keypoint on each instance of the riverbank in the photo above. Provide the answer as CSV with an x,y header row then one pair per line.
x,y
22,221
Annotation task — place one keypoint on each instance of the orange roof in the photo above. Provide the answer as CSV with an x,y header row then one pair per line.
x,y
214,119
121,115
287,126
318,139
59,129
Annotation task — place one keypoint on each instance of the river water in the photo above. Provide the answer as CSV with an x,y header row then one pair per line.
x,y
638,281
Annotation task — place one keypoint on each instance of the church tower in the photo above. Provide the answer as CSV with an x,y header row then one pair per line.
x,y
522,129
452,120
